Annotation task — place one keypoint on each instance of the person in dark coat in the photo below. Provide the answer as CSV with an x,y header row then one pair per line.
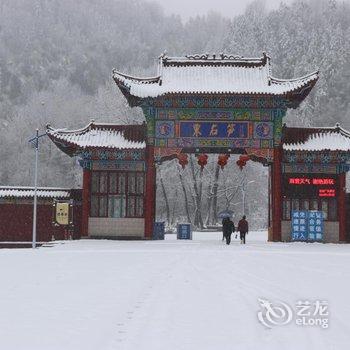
x,y
227,228
242,228
223,225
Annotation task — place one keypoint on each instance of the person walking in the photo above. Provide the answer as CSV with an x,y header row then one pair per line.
x,y
227,228
243,228
223,227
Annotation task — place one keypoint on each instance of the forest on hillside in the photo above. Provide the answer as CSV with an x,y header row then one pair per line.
x,y
56,59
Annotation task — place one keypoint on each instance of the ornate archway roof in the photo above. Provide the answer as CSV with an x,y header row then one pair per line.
x,y
97,136
214,75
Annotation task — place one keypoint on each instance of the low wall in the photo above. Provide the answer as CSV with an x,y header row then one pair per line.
x,y
16,221
117,228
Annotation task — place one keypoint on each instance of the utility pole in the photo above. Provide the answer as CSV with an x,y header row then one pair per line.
x,y
243,188
243,195
35,142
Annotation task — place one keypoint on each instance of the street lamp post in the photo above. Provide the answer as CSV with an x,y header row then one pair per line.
x,y
243,187
35,142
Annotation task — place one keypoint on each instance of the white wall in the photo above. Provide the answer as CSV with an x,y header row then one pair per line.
x,y
117,228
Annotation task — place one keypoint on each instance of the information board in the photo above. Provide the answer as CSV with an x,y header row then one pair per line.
x,y
315,225
299,225
307,225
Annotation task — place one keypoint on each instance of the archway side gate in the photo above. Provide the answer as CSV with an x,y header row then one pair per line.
x,y
215,104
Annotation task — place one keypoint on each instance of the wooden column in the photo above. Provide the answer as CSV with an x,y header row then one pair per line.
x,y
276,189
86,202
150,194
342,207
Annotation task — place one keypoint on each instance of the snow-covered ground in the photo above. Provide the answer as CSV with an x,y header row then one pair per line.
x,y
170,294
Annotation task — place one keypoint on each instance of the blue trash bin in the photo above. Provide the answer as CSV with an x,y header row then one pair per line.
x,y
158,230
184,231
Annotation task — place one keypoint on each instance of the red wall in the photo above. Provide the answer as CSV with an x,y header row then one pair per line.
x,y
16,223
348,217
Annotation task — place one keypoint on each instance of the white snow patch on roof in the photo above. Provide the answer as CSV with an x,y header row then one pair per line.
x,y
212,79
321,141
107,138
28,192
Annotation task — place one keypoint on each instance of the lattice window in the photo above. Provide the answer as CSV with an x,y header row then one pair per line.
x,y
117,194
328,206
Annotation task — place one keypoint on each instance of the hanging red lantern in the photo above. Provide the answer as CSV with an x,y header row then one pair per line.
x,y
222,160
242,161
183,159
202,160
244,157
240,164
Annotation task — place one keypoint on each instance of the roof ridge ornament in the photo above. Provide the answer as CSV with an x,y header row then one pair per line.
x,y
163,57
265,57
220,57
198,56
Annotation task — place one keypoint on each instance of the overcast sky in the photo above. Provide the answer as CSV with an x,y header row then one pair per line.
x,y
229,8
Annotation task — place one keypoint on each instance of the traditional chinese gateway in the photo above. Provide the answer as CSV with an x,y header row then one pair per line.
x,y
212,104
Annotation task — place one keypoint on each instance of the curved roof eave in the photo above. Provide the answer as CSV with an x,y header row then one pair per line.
x,y
300,88
311,76
122,77
73,148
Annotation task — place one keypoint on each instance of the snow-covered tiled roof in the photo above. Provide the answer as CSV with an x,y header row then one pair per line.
x,y
28,192
98,136
212,75
332,139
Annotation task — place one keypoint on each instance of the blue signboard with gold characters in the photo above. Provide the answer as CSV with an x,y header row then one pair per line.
x,y
237,130
212,129
258,129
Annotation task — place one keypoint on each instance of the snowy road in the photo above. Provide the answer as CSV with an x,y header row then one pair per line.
x,y
198,294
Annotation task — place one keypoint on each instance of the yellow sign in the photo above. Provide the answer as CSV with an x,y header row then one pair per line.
x,y
62,213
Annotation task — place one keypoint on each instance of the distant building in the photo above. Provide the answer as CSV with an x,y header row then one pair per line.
x,y
16,213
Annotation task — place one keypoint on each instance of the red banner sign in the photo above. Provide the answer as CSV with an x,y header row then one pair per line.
x,y
312,186
326,192
311,181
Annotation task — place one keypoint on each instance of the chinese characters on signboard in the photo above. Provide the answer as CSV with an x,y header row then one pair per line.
x,y
307,225
299,226
310,186
218,129
63,213
310,181
326,192
315,224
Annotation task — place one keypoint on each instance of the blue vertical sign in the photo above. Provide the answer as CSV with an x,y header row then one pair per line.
x,y
299,225
307,225
315,223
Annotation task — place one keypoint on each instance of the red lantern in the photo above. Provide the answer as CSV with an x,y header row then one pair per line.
x,y
183,159
202,160
244,157
222,160
242,161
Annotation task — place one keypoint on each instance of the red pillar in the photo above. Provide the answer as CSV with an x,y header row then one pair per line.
x,y
277,195
342,207
86,202
150,194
